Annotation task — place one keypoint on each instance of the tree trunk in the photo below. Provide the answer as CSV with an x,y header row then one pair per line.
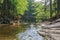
x,y
50,8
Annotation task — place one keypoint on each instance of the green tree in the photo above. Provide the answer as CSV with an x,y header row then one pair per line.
x,y
51,8
29,15
42,10
12,8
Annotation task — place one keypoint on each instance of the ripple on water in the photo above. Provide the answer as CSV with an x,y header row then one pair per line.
x,y
30,34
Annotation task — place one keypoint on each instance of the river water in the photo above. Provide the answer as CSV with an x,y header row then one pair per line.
x,y
24,32
30,33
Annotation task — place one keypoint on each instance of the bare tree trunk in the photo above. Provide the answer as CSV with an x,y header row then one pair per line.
x,y
51,8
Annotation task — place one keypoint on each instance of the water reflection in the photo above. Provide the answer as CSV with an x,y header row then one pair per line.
x,y
30,34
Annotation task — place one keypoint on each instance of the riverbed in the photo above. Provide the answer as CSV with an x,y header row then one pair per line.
x,y
25,32
30,34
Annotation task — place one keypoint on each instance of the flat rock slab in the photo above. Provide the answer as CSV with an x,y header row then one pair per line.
x,y
50,31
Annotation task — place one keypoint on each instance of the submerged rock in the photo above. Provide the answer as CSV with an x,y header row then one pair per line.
x,y
30,34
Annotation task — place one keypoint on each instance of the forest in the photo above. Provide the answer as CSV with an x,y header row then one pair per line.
x,y
29,10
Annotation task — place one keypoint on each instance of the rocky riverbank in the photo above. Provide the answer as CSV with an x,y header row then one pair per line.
x,y
51,30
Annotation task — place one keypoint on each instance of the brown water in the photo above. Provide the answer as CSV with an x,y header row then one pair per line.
x,y
9,32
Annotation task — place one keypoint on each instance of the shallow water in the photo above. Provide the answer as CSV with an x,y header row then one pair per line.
x,y
25,32
30,34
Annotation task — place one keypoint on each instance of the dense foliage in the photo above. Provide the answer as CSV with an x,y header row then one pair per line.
x,y
12,8
29,10
29,15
